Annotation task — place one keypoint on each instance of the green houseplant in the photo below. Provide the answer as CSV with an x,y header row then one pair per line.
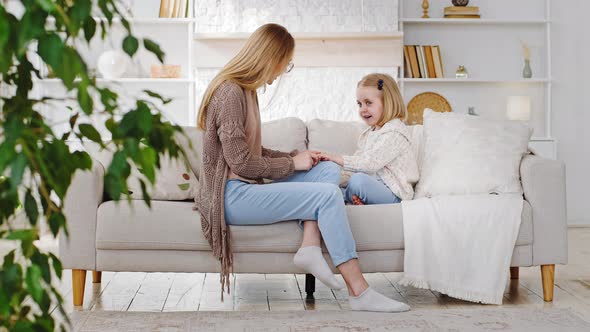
x,y
36,165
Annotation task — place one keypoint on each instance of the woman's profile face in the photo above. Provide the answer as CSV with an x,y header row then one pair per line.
x,y
280,69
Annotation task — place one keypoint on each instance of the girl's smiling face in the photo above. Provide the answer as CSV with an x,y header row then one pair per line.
x,y
368,99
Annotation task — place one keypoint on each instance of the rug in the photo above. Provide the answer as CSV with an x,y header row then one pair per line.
x,y
502,319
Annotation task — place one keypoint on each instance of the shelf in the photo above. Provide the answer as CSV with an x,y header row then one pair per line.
x,y
475,80
305,35
542,139
126,80
471,21
142,20
155,20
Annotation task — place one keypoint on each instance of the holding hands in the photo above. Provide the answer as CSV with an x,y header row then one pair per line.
x,y
305,160
324,156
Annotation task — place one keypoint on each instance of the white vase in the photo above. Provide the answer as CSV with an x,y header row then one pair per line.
x,y
112,64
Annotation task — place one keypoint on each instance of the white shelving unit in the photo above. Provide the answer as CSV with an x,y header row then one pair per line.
x,y
175,37
490,49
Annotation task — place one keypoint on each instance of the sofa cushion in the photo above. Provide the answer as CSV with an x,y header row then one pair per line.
x,y
285,135
175,179
340,137
175,226
466,154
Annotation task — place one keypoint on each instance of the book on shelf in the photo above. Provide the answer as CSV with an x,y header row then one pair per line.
x,y
462,16
438,67
414,61
429,61
407,63
175,8
423,61
461,10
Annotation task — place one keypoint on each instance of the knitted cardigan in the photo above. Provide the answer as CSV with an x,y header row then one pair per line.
x,y
225,147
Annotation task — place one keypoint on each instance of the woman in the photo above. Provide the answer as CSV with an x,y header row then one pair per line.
x,y
234,164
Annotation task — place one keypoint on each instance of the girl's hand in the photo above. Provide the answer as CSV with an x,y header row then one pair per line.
x,y
332,157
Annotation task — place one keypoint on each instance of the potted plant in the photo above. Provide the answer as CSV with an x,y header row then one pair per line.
x,y
36,165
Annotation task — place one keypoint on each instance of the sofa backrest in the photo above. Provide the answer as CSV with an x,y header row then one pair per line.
x,y
340,137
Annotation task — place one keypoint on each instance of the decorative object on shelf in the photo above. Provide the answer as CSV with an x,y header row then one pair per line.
x,y
462,11
518,108
175,8
425,6
430,100
527,72
460,3
165,71
471,111
461,72
112,64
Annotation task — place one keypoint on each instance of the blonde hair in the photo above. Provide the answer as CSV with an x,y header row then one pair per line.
x,y
393,102
269,47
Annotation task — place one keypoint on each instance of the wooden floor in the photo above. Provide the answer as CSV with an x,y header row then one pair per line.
x,y
125,291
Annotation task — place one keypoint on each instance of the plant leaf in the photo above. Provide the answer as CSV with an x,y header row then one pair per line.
x,y
130,45
31,208
33,281
154,48
158,96
90,132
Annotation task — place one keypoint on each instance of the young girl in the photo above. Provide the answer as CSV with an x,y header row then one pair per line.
x,y
383,170
235,163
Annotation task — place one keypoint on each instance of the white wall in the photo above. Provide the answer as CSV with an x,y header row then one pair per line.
x,y
571,103
307,93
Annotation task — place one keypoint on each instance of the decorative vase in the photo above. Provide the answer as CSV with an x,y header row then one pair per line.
x,y
425,6
460,3
112,64
461,72
527,72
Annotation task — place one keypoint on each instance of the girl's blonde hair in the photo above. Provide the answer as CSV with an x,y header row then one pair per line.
x,y
269,47
393,102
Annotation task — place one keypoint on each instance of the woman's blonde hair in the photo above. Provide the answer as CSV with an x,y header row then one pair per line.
x,y
269,47
393,102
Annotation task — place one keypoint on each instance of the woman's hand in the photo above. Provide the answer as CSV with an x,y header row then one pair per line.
x,y
324,156
305,160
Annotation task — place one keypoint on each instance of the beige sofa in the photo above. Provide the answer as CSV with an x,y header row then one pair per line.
x,y
106,236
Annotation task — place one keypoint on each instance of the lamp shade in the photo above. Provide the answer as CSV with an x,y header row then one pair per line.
x,y
518,108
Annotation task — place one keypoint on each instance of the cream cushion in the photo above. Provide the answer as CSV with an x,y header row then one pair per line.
x,y
465,154
136,227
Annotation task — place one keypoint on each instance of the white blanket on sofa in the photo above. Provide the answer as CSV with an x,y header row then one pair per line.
x,y
461,245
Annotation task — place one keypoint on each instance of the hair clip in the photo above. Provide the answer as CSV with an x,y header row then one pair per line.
x,y
380,84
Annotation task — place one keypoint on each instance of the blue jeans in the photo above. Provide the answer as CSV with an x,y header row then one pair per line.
x,y
311,195
369,189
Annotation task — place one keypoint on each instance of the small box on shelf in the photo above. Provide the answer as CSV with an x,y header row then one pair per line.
x,y
165,71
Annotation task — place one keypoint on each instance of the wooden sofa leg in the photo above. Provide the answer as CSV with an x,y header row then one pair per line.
x,y
78,283
309,285
514,273
96,277
548,277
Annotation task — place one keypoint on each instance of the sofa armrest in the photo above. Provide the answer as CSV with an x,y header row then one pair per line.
x,y
78,250
543,182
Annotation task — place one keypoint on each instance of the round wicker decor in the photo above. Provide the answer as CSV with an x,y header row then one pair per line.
x,y
431,100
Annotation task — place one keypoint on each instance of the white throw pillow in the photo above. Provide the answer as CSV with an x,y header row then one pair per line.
x,y
465,154
175,181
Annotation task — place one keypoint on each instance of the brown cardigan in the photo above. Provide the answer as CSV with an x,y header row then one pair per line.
x,y
225,147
